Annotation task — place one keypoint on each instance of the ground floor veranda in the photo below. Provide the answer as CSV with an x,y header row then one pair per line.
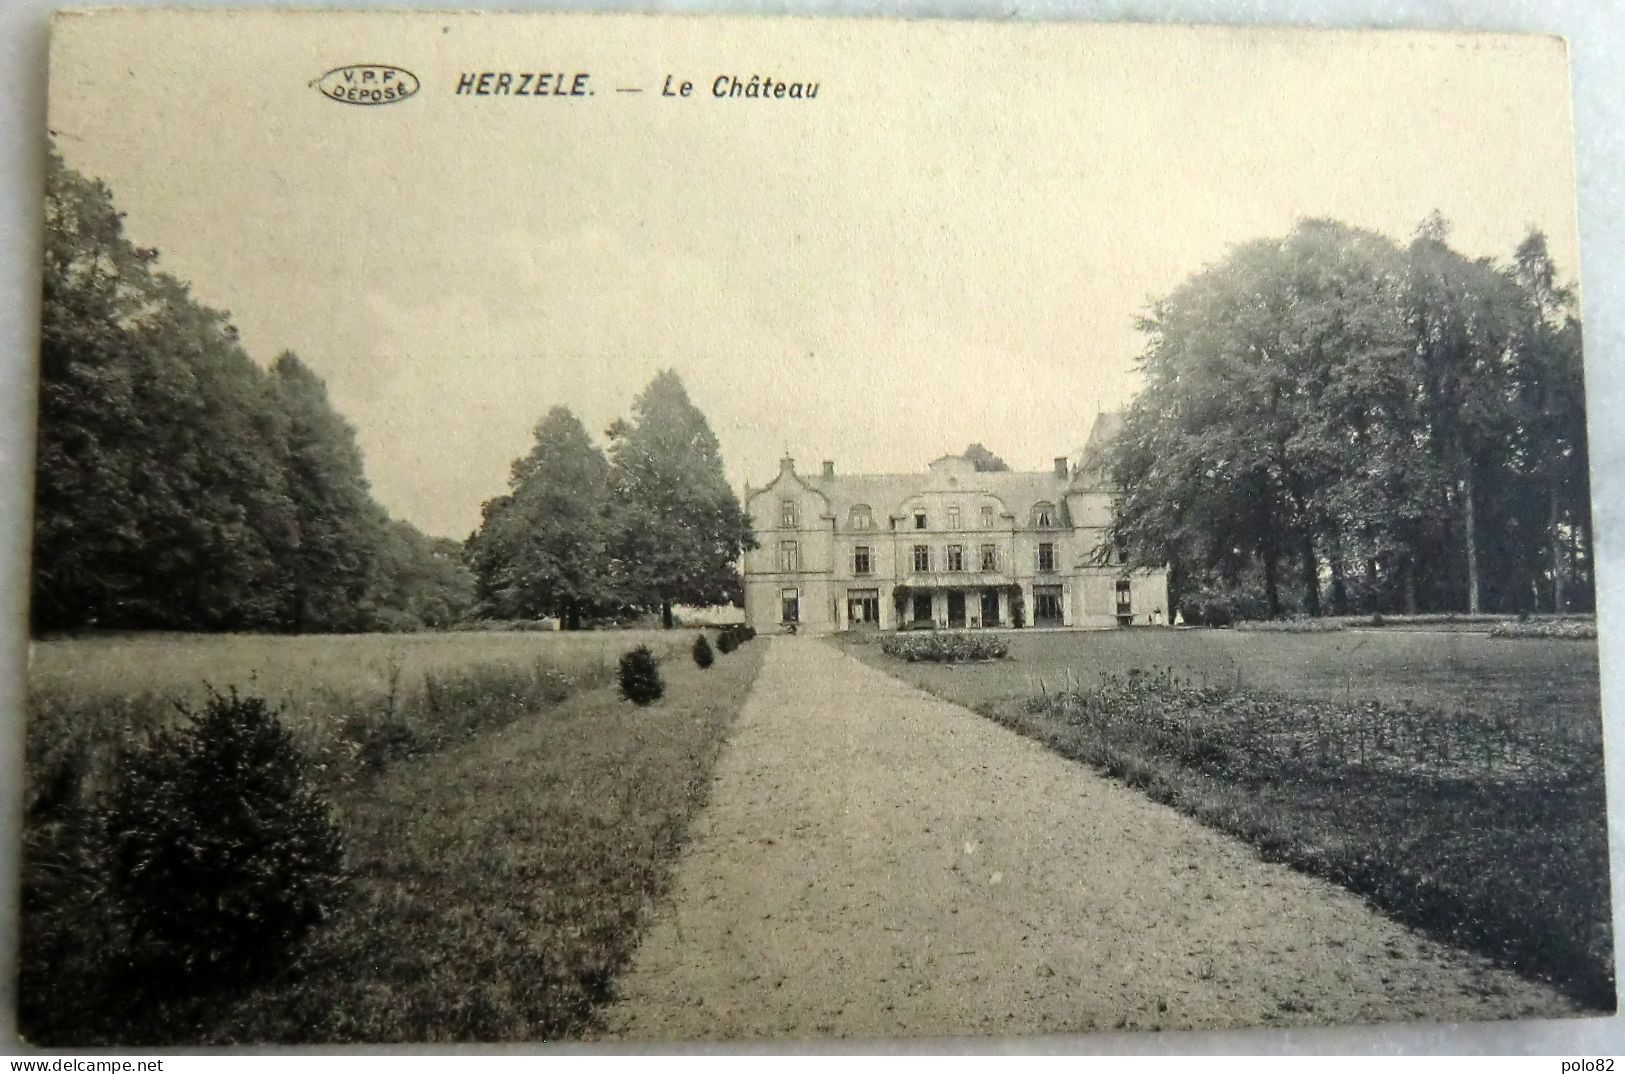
x,y
1084,601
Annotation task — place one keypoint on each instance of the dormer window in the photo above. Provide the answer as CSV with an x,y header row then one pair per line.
x,y
919,520
1044,515
987,516
787,515
860,518
953,516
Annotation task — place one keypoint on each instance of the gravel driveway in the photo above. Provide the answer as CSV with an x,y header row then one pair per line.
x,y
875,862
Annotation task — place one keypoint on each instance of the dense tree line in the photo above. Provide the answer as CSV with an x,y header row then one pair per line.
x,y
1333,422
180,485
582,534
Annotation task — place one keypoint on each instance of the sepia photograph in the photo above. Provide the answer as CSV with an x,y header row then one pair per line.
x,y
664,529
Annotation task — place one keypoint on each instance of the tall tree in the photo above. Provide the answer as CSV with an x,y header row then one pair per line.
x,y
86,523
160,499
338,528
1407,424
1228,453
1461,313
680,530
543,549
181,486
1550,378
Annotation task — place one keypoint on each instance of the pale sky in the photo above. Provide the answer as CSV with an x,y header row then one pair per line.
x,y
950,243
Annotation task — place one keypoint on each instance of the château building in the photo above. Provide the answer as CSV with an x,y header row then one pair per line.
x,y
953,547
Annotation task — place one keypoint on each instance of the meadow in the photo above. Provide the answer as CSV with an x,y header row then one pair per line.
x,y
1453,779
350,700
508,821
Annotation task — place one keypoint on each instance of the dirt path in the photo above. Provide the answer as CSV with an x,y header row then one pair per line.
x,y
877,862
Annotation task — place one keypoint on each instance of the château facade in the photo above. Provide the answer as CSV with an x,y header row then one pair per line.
x,y
953,547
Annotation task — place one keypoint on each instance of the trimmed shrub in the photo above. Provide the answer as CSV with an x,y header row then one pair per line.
x,y
702,652
221,855
727,641
641,683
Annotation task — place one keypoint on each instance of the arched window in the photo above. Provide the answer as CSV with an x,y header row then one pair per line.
x,y
860,517
1044,516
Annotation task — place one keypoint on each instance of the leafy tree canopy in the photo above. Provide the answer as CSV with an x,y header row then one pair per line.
x,y
984,460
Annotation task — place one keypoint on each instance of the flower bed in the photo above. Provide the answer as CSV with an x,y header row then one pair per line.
x,y
946,648
1290,626
1564,629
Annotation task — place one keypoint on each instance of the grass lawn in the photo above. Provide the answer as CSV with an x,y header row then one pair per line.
x,y
500,880
1454,780
1556,679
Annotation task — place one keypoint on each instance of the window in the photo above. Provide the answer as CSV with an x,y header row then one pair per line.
x,y
1046,556
987,516
990,557
789,605
922,557
956,557
953,516
862,606
1047,604
860,518
861,561
1124,605
789,556
919,520
787,515
1122,550
1044,515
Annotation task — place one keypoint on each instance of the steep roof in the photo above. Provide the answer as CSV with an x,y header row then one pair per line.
x,y
886,494
1091,462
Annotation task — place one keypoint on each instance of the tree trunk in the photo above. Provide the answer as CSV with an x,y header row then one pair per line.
x,y
665,615
1340,581
1272,588
1311,574
1373,600
1410,584
1557,553
1470,524
1580,543
572,616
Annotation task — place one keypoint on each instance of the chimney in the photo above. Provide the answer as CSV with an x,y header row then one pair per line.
x,y
1060,466
829,470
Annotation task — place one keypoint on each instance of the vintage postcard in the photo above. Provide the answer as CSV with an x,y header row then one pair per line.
x,y
559,527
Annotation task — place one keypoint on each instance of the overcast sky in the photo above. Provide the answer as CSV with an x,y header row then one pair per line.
x,y
950,243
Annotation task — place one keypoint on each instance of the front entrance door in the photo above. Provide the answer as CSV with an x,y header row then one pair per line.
x,y
922,607
990,607
956,608
863,607
1047,605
